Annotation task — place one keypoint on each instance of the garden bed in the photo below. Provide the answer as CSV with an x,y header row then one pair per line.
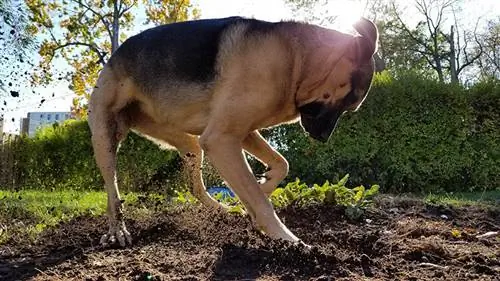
x,y
397,239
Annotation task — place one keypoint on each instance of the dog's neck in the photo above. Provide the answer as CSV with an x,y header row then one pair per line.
x,y
318,51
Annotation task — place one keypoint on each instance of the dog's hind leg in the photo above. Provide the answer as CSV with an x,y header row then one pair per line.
x,y
192,157
108,127
256,145
188,147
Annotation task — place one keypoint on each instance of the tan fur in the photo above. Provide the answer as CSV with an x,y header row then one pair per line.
x,y
262,81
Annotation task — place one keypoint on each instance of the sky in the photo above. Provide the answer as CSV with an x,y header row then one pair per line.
x,y
58,97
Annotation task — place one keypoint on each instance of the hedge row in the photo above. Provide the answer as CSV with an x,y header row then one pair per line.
x,y
61,156
410,135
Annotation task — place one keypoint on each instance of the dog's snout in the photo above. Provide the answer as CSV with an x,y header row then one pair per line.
x,y
319,120
312,109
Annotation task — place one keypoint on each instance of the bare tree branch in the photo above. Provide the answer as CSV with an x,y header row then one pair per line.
x,y
469,61
408,31
92,47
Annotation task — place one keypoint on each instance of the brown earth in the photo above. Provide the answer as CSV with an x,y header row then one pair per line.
x,y
399,239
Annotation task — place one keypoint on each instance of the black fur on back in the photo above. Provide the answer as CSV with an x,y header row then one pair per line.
x,y
184,51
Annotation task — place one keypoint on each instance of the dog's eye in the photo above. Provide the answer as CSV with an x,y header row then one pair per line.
x,y
326,95
343,85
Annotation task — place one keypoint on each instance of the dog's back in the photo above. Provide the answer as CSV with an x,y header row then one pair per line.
x,y
179,52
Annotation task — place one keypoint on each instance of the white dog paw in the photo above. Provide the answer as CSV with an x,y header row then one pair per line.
x,y
117,233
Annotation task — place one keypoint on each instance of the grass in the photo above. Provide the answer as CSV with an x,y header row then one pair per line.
x,y
31,211
491,197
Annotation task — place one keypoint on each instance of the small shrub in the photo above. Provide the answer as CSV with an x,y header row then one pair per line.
x,y
298,193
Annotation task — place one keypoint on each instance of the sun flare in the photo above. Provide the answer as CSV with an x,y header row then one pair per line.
x,y
345,13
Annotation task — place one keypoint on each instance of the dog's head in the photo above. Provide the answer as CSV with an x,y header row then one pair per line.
x,y
338,75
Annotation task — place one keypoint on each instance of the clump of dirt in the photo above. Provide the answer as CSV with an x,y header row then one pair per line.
x,y
404,240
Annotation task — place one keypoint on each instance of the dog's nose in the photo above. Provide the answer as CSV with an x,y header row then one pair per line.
x,y
323,137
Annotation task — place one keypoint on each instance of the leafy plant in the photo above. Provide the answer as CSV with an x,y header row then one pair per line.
x,y
184,197
298,193
355,199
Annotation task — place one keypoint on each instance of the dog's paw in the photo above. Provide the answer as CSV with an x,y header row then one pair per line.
x,y
304,245
117,233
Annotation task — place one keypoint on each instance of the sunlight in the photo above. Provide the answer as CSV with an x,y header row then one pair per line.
x,y
346,12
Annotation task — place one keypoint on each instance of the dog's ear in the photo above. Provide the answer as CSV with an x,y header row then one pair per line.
x,y
366,43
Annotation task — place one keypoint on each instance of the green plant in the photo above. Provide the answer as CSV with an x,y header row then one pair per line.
x,y
298,193
355,199
184,197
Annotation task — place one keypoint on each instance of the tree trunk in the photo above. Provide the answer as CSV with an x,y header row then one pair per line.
x,y
453,59
439,68
115,27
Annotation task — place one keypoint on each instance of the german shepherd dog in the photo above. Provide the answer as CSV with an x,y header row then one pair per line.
x,y
207,86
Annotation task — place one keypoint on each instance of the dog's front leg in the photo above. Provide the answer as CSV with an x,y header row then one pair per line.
x,y
256,145
226,153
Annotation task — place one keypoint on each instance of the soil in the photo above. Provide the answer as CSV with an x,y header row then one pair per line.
x,y
398,239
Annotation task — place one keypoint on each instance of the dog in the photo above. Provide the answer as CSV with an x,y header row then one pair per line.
x,y
207,86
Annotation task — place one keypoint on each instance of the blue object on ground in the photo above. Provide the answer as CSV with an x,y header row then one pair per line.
x,y
220,189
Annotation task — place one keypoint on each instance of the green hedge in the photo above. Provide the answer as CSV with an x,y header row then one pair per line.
x,y
410,135
61,156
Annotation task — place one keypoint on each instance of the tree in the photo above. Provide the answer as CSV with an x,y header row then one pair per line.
x,y
489,62
395,50
311,10
84,33
446,53
428,35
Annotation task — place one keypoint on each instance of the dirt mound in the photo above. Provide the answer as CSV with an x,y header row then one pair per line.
x,y
399,240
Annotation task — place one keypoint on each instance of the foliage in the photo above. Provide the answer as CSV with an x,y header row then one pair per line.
x,y
168,11
61,156
84,33
300,194
412,134
489,63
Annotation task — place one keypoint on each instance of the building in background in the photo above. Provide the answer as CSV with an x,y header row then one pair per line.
x,y
36,120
